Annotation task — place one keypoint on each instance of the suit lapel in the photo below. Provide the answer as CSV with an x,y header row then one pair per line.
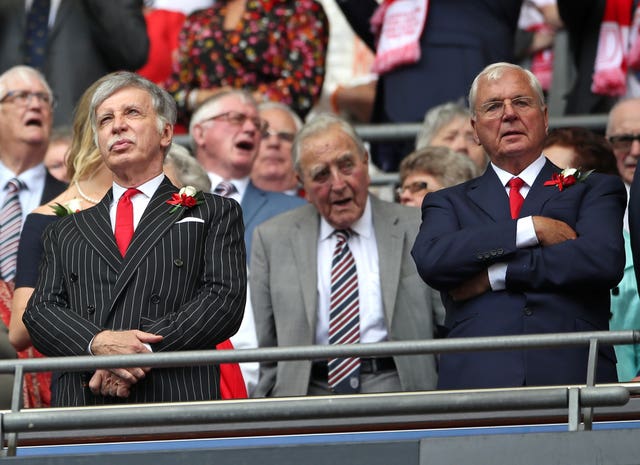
x,y
488,193
389,240
252,201
95,225
154,224
305,253
539,193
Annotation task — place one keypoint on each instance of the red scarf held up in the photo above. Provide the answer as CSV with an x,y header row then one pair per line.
x,y
397,26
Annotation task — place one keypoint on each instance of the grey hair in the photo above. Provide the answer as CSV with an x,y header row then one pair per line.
x,y
163,103
209,107
446,165
23,72
269,105
187,169
319,124
437,118
493,72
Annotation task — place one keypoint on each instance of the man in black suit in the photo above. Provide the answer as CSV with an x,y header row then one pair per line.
x,y
136,273
26,108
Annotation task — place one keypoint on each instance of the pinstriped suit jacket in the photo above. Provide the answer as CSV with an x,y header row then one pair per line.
x,y
182,278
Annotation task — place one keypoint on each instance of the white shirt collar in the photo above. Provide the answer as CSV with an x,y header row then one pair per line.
x,y
528,175
240,184
33,177
363,226
148,188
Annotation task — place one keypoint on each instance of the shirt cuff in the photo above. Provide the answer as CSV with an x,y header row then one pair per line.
x,y
526,233
497,276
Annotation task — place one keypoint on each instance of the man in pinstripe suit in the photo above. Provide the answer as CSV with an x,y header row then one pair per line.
x,y
180,284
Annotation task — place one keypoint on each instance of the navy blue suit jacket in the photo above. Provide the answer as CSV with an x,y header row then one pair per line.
x,y
560,288
258,206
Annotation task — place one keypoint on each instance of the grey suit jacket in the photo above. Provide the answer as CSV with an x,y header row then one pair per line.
x,y
184,277
88,39
285,298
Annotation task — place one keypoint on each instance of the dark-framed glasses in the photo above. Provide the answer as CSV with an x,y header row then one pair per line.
x,y
495,108
622,142
283,136
413,187
237,119
23,98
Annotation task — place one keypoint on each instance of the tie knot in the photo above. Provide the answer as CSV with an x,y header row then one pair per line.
x,y
515,183
224,189
14,185
129,193
343,235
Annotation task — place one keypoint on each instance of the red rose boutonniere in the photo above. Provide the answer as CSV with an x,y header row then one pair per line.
x,y
187,197
567,177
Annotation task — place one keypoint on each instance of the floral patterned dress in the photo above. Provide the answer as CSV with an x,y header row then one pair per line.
x,y
278,50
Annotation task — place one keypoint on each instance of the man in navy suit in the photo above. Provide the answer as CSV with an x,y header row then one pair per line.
x,y
545,269
138,272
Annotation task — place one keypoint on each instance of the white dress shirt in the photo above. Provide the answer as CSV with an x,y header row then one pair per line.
x,y
31,195
525,231
139,201
365,253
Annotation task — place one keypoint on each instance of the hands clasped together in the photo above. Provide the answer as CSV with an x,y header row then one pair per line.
x,y
117,382
548,231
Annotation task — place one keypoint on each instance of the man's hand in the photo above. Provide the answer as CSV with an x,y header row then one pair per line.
x,y
122,343
105,383
479,284
552,232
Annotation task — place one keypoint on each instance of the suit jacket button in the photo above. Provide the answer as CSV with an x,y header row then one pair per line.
x,y
155,299
479,256
528,312
91,309
500,251
73,277
178,262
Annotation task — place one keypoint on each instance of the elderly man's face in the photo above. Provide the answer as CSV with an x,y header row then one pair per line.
x,y
625,121
335,176
510,123
229,142
274,157
128,137
458,135
23,117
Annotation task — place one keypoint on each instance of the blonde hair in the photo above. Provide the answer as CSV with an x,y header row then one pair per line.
x,y
84,157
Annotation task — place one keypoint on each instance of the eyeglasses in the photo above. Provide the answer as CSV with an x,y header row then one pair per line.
x,y
495,108
237,119
414,187
23,98
623,142
282,136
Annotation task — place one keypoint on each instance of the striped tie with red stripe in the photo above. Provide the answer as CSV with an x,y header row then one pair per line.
x,y
344,316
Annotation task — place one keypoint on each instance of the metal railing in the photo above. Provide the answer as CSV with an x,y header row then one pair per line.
x,y
578,400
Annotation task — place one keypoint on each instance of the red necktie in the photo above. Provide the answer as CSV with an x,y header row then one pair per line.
x,y
515,197
124,220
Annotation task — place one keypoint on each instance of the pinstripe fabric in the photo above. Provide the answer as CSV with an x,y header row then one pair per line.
x,y
183,280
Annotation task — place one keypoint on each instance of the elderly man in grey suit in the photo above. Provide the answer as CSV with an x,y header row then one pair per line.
x,y
148,269
339,271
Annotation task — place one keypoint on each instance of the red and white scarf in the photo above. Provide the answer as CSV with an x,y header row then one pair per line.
x,y
397,25
618,48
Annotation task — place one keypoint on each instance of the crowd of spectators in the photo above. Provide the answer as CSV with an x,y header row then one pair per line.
x,y
268,105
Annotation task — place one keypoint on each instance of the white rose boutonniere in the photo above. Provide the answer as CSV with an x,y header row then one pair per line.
x,y
69,208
